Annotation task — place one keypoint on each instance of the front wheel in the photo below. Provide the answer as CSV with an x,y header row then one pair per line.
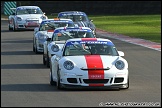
x,y
33,46
48,61
14,28
51,80
36,50
9,28
44,61
58,80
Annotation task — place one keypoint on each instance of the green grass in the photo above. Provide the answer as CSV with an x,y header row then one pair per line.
x,y
140,26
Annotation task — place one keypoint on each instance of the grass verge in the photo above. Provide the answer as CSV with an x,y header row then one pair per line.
x,y
140,26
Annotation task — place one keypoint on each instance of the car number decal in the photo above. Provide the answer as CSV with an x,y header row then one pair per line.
x,y
50,30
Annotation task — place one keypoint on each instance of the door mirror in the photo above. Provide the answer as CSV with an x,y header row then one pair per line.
x,y
121,53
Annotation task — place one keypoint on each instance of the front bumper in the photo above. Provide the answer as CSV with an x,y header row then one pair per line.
x,y
27,24
111,80
68,86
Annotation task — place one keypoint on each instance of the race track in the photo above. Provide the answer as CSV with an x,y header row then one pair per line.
x,y
25,80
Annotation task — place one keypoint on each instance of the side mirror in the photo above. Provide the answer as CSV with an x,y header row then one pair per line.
x,y
121,53
91,20
36,30
59,53
76,25
48,39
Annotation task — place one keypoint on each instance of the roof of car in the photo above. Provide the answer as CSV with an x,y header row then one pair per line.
x,y
72,28
53,20
72,12
57,19
28,6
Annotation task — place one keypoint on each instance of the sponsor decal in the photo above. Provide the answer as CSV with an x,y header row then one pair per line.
x,y
50,30
66,14
89,41
74,43
76,29
52,21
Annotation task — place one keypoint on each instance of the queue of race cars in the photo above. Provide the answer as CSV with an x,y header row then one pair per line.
x,y
76,58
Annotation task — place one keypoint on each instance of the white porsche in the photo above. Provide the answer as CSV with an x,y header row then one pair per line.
x,y
26,17
89,62
60,35
46,29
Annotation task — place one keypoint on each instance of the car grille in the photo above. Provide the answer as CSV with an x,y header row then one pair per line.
x,y
72,80
118,80
95,81
21,25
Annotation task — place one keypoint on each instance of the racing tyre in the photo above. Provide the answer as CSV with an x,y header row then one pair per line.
x,y
44,61
14,29
51,80
47,62
36,51
33,47
9,28
59,87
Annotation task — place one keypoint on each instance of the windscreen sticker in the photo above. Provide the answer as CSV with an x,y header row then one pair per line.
x,y
23,8
55,21
89,42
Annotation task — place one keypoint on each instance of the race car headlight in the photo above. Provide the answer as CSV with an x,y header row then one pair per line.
x,y
68,65
19,19
43,17
42,37
55,48
119,65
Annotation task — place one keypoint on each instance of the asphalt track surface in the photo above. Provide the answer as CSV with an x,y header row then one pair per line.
x,y
25,80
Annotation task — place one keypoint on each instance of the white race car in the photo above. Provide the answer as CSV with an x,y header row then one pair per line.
x,y
46,29
79,18
59,37
25,17
89,62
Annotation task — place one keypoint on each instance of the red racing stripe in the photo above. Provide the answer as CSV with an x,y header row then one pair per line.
x,y
50,30
94,61
89,39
